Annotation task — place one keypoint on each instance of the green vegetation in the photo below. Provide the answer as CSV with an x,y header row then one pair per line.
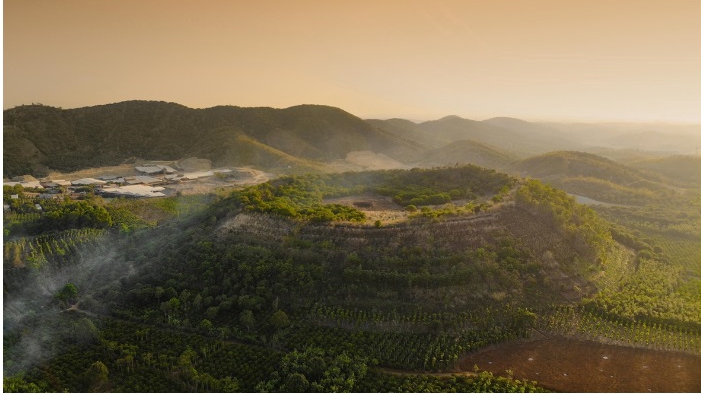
x,y
125,215
481,382
120,356
312,370
609,192
578,164
682,170
594,324
272,289
467,152
655,302
38,138
301,197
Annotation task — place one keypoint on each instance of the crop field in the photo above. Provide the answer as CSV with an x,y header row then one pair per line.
x,y
683,251
572,365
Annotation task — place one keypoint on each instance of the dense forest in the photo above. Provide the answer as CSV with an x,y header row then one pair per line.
x,y
284,287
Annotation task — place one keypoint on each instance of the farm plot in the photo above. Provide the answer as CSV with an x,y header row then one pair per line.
x,y
572,365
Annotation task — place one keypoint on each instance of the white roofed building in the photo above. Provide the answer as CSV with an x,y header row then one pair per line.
x,y
134,191
87,181
152,169
141,179
196,175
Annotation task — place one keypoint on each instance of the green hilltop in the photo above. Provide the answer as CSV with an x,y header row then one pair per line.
x,y
303,281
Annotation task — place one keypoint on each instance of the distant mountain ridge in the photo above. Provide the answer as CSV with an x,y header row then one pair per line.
x,y
513,136
38,138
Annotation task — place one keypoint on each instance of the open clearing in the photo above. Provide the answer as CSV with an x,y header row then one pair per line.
x,y
571,365
375,207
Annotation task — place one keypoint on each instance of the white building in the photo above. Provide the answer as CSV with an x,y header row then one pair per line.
x,y
134,191
152,169
87,181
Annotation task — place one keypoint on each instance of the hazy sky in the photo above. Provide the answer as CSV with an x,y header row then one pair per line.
x,y
584,60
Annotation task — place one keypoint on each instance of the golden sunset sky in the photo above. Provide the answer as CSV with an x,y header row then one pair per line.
x,y
630,60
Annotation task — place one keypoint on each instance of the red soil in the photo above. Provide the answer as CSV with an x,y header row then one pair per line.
x,y
571,365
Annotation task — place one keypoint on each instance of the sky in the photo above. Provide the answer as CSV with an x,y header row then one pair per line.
x,y
592,60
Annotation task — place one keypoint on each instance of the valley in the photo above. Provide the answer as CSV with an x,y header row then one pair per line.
x,y
346,255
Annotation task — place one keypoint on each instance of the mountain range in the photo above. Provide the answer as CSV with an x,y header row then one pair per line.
x,y
39,138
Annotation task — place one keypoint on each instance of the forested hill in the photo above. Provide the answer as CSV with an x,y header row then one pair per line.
x,y
601,179
38,138
319,282
572,164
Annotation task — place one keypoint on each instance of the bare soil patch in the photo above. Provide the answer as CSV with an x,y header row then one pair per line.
x,y
120,170
364,161
374,206
572,365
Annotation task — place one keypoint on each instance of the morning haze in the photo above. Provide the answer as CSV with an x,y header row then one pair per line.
x,y
351,196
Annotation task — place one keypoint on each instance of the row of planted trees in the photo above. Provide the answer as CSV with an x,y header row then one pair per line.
x,y
38,251
101,354
480,382
596,325
425,341
130,357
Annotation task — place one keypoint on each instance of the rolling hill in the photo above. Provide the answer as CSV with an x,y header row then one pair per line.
x,y
596,177
41,137
572,164
466,152
539,136
298,139
454,128
684,169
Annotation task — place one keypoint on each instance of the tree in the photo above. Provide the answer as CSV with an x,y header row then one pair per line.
x,y
96,377
84,331
205,325
229,385
170,307
279,319
313,370
17,384
246,318
158,293
211,312
296,383
68,293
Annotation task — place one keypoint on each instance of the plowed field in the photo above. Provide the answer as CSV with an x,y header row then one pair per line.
x,y
570,365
